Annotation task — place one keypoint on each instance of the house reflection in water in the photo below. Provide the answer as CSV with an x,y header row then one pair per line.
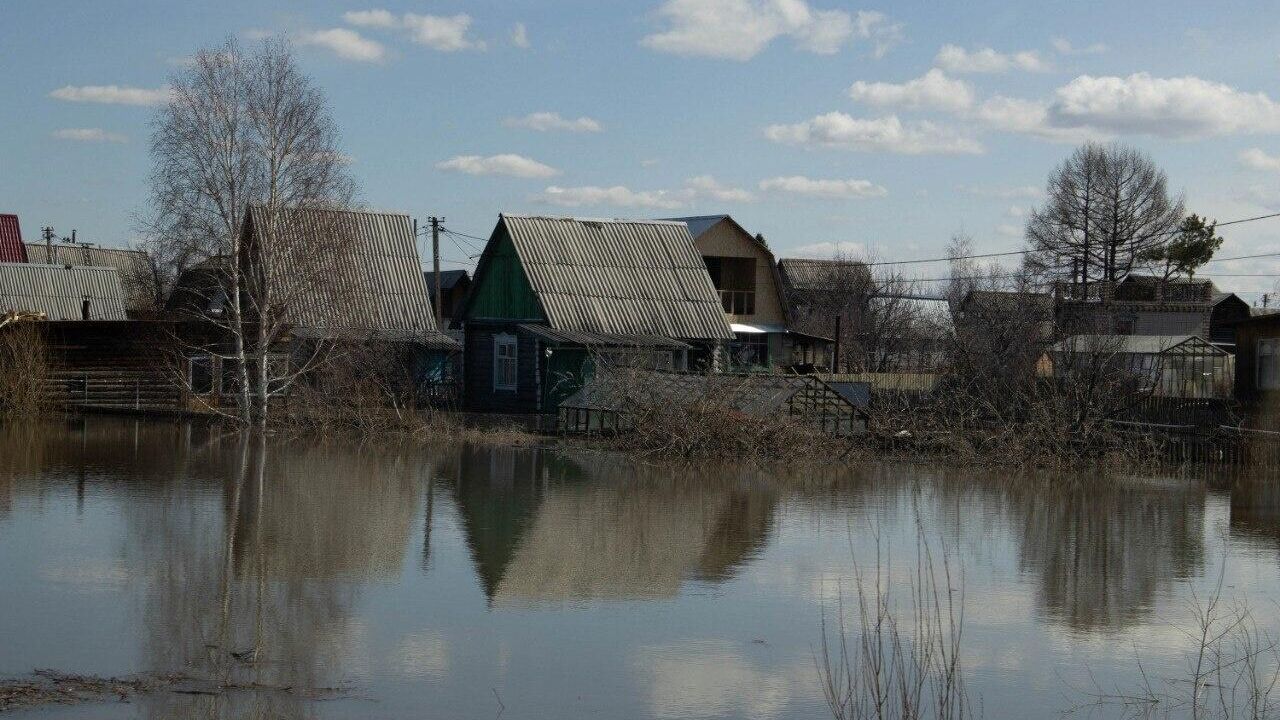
x,y
1255,510
545,528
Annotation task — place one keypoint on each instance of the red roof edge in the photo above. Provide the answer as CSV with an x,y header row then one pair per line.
x,y
11,247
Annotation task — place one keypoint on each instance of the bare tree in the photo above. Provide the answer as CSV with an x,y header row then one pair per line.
x,y
1108,206
242,128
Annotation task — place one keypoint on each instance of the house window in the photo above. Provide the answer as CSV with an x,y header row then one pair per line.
x,y
1269,364
200,374
505,365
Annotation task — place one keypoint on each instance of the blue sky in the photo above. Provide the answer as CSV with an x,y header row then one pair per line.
x,y
878,128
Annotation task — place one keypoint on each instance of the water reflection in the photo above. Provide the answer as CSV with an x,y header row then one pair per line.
x,y
548,527
433,578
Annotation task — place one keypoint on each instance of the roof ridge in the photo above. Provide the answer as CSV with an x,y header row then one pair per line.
x,y
571,218
351,211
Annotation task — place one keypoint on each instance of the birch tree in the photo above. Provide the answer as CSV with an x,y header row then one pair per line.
x,y
242,128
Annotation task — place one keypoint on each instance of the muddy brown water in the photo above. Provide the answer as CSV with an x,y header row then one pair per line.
x,y
461,582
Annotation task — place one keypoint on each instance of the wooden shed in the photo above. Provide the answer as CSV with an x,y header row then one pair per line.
x,y
553,296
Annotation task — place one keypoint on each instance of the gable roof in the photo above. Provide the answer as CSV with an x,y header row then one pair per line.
x,y
11,248
626,277
805,275
448,279
59,291
372,286
135,274
699,224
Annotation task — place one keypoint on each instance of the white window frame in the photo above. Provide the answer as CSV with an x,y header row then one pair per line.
x,y
511,360
1268,353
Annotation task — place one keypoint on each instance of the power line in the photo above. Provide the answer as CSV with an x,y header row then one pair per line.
x,y
1027,251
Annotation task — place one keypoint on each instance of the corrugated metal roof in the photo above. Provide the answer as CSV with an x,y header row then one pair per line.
x,y
804,275
699,224
59,291
11,248
368,279
618,277
135,273
594,339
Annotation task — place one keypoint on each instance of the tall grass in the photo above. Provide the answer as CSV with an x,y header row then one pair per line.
x,y
898,658
24,365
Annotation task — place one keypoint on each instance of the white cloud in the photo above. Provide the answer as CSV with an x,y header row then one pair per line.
x,y
876,28
346,44
1022,192
1258,159
1184,107
883,134
617,196
1011,230
520,35
827,189
825,250
370,18
545,121
88,135
1029,117
506,164
695,189
706,186
649,162
931,90
741,29
446,33
956,59
111,94
1064,47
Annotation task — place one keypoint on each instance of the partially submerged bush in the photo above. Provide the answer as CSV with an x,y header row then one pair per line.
x,y
24,366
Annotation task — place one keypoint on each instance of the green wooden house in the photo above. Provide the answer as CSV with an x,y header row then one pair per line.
x,y
554,297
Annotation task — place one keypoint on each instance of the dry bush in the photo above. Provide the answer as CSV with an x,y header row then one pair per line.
x,y
24,364
1231,669
366,394
715,416
898,659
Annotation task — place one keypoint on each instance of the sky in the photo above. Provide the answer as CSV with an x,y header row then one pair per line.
x,y
871,129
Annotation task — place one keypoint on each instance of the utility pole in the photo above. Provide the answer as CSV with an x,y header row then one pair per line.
x,y
435,264
835,361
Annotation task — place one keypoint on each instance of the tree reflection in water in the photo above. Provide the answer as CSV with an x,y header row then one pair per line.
x,y
263,596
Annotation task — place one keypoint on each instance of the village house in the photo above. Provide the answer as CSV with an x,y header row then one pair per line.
x,y
454,286
554,296
819,294
1257,347
133,266
1146,305
746,276
372,293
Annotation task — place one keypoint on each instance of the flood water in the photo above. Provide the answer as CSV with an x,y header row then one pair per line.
x,y
477,583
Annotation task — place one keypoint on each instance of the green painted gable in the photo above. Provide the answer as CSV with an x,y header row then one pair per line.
x,y
501,289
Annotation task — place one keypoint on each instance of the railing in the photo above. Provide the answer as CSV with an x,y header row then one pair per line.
x,y
738,302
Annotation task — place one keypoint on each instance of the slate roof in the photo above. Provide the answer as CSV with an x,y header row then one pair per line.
x,y
699,224
804,275
135,275
617,277
370,284
59,291
448,279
